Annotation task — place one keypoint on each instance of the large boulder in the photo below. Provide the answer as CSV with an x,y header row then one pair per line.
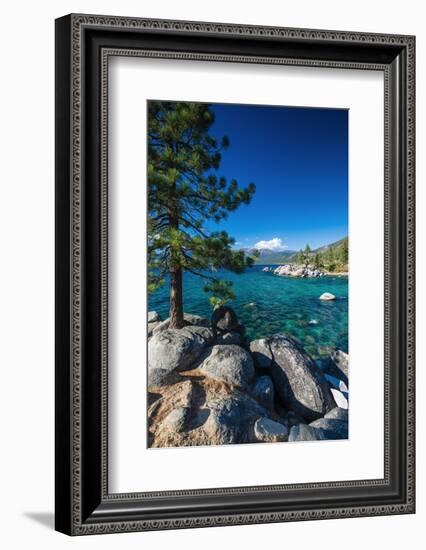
x,y
170,406
303,432
171,351
267,430
223,424
340,398
332,428
231,418
189,320
298,381
336,365
341,360
227,338
261,353
321,429
336,383
292,419
202,411
151,327
224,319
153,317
162,377
177,419
338,414
203,332
161,326
228,363
263,392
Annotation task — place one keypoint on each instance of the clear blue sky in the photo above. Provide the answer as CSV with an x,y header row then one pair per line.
x,y
298,159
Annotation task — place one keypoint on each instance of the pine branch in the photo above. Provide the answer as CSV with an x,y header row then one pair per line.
x,y
197,229
202,275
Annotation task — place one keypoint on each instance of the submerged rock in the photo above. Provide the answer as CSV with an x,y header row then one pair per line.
x,y
267,430
228,363
298,381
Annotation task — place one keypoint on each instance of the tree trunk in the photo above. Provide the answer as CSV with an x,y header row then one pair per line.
x,y
176,299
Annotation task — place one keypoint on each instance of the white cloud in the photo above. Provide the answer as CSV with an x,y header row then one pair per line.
x,y
272,244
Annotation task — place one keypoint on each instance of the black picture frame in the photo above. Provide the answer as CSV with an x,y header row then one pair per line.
x,y
83,45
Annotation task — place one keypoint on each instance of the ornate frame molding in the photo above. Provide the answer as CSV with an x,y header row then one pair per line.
x,y
72,47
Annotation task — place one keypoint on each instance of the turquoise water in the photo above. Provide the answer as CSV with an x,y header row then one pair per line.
x,y
267,304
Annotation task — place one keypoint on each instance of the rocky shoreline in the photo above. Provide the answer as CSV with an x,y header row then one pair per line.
x,y
294,270
207,385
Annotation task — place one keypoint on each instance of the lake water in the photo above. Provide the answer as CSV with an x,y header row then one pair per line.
x,y
267,304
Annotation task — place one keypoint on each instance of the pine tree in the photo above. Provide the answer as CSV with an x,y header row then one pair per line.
x,y
307,255
330,259
345,251
318,262
183,195
300,257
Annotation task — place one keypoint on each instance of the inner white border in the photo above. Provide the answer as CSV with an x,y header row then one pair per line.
x,y
133,467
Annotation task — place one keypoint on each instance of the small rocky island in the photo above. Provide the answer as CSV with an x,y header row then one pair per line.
x,y
302,271
207,385
294,270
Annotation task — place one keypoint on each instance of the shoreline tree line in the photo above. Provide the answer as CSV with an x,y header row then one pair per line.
x,y
332,258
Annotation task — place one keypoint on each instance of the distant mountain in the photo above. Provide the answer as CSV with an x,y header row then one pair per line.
x,y
267,256
274,257
328,246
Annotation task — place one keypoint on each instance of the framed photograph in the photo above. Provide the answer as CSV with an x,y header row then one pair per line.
x,y
234,274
